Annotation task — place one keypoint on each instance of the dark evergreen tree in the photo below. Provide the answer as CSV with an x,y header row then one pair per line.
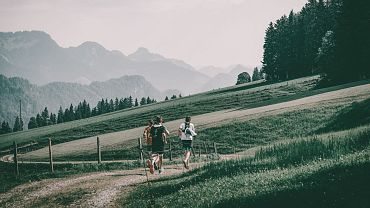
x,y
166,98
71,113
60,118
136,102
39,120
130,102
5,128
143,101
32,123
45,117
256,74
94,112
18,125
352,42
148,100
67,115
173,97
116,104
53,118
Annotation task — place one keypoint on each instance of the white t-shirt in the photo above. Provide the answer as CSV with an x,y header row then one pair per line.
x,y
187,136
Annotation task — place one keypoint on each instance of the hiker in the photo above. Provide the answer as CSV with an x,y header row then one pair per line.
x,y
148,137
187,133
159,135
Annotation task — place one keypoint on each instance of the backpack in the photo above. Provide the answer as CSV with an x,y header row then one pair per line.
x,y
186,129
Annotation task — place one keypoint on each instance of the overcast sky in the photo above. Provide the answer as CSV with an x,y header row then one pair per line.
x,y
200,32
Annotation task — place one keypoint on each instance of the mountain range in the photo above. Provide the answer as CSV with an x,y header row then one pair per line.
x,y
39,72
53,95
34,55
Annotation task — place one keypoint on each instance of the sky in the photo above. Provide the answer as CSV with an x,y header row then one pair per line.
x,y
200,32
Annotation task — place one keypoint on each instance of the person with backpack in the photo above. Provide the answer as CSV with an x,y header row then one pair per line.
x,y
187,133
159,135
148,137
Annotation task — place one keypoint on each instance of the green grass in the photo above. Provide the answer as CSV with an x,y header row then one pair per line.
x,y
257,182
238,136
192,105
356,114
135,117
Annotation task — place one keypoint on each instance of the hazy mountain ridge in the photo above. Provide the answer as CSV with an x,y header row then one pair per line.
x,y
223,77
34,98
37,57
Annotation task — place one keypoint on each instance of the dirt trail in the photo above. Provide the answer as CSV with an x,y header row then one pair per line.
x,y
202,121
100,189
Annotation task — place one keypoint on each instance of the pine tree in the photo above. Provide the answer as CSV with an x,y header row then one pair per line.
x,y
143,101
130,102
17,125
45,117
136,102
67,115
352,47
32,123
71,113
94,112
5,128
148,100
53,118
116,104
173,97
180,96
39,120
60,115
111,105
256,74
166,98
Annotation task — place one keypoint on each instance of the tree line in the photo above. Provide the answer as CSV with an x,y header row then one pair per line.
x,y
81,111
326,37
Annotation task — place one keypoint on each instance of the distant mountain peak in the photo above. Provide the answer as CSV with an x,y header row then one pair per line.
x,y
91,45
143,54
142,50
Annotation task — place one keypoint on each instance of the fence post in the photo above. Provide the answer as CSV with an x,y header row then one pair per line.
x,y
205,148
99,150
51,157
214,147
170,150
16,168
200,149
140,149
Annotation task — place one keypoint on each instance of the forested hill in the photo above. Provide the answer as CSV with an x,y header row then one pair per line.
x,y
54,95
328,37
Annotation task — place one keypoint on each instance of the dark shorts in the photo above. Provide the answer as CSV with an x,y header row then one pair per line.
x,y
158,149
187,144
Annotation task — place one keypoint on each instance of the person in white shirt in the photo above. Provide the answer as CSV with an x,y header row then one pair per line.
x,y
187,133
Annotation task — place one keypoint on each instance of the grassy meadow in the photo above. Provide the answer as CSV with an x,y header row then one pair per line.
x,y
243,96
329,170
